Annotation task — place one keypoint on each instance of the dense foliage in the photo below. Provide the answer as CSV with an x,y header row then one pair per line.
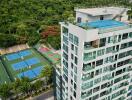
x,y
25,17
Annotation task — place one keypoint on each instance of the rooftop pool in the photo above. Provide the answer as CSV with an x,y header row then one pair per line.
x,y
103,24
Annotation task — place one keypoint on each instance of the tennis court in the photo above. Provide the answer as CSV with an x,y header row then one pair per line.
x,y
43,49
12,56
31,73
28,74
18,55
19,65
29,66
32,61
37,70
25,53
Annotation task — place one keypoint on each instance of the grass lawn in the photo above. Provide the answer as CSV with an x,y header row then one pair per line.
x,y
3,74
13,74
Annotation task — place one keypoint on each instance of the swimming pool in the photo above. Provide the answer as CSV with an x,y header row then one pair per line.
x,y
103,24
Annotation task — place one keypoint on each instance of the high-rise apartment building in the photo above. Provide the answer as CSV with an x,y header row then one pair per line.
x,y
96,56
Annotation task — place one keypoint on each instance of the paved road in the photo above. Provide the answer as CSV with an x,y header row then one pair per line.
x,y
45,96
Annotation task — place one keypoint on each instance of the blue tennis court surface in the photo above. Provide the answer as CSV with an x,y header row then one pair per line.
x,y
28,74
25,53
37,70
26,63
32,61
19,65
103,24
12,56
31,73
18,55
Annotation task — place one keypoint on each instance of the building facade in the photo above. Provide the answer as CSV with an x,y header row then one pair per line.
x,y
96,54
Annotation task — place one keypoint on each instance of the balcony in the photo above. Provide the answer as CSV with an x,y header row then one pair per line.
x,y
91,45
87,68
130,87
86,95
87,85
86,78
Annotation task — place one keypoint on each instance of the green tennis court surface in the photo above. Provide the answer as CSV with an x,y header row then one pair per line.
x,y
3,74
28,63
52,57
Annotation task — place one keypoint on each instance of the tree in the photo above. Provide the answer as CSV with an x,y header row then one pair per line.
x,y
7,40
50,30
15,86
25,87
47,72
37,85
5,91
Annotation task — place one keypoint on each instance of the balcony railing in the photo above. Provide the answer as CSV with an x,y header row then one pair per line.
x,y
85,69
86,78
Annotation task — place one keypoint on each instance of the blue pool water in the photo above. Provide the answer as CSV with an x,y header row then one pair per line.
x,y
103,24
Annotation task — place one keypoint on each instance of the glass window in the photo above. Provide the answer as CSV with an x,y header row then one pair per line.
x,y
65,39
72,47
65,63
130,44
72,65
110,49
96,89
130,35
65,48
65,56
72,56
75,86
65,71
96,81
71,37
71,73
125,36
76,50
75,78
75,69
102,42
100,52
76,41
125,45
76,60
99,62
74,94
65,30
119,38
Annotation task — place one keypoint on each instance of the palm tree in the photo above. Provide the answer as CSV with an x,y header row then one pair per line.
x,y
5,91
47,72
15,85
37,85
25,87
